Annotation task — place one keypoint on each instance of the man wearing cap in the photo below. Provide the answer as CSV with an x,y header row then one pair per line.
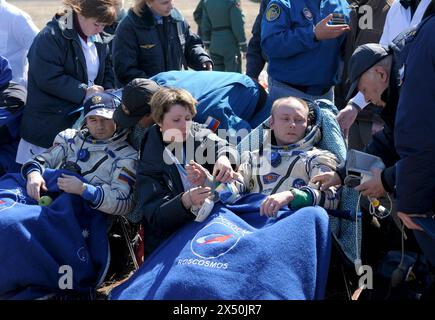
x,y
404,14
99,153
374,72
235,100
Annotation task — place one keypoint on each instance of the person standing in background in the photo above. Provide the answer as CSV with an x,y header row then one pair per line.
x,y
367,19
223,32
255,58
68,61
303,45
197,16
401,16
154,37
17,32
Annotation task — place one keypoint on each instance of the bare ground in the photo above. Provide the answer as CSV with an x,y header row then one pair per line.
x,y
42,10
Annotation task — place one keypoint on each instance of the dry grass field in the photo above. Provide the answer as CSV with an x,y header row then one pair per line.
x,y
42,11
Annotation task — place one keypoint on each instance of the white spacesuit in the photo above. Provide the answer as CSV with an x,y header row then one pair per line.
x,y
108,165
274,169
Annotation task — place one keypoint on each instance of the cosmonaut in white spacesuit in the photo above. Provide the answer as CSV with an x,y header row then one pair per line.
x,y
283,166
99,153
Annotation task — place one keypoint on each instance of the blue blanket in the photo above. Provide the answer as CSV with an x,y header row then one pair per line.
x,y
37,241
238,254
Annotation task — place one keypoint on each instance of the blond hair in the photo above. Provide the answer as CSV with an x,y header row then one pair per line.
x,y
289,101
138,7
165,98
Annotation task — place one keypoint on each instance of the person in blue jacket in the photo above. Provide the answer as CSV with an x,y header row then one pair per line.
x,y
302,47
255,59
234,99
415,143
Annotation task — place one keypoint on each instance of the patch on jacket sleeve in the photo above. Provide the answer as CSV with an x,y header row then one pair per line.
x,y
273,12
126,176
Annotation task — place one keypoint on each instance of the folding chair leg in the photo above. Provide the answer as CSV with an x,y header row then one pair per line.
x,y
129,245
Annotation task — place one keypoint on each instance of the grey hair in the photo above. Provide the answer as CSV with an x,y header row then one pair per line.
x,y
385,63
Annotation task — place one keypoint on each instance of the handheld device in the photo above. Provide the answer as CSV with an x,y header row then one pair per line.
x,y
358,167
337,18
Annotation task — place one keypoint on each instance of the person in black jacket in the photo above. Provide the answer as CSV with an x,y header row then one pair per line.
x,y
68,61
166,197
373,69
255,58
415,142
155,37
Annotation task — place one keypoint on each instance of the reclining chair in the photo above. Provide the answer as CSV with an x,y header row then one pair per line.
x,y
345,223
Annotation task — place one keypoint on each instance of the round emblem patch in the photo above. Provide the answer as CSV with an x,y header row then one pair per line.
x,y
97,99
299,183
273,12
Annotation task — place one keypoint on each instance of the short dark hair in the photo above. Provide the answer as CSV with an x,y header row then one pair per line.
x,y
103,10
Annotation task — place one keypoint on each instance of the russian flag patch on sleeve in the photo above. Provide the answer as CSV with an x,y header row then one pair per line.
x,y
126,176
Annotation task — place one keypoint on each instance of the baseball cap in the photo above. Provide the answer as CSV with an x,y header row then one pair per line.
x,y
100,104
136,96
363,58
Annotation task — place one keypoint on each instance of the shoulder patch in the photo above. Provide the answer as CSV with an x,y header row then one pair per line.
x,y
273,12
126,176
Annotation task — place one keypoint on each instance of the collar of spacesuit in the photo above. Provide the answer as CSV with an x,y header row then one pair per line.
x,y
118,137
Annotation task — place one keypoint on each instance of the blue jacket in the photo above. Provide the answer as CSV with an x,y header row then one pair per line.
x,y
232,98
295,56
255,59
415,125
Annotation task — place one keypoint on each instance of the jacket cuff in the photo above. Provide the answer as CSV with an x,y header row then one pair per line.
x,y
385,182
29,167
92,194
301,198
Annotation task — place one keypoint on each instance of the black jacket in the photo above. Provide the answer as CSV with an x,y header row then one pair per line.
x,y
57,73
139,48
255,58
159,185
382,144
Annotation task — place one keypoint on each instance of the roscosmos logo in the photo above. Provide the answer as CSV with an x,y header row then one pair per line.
x,y
216,239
